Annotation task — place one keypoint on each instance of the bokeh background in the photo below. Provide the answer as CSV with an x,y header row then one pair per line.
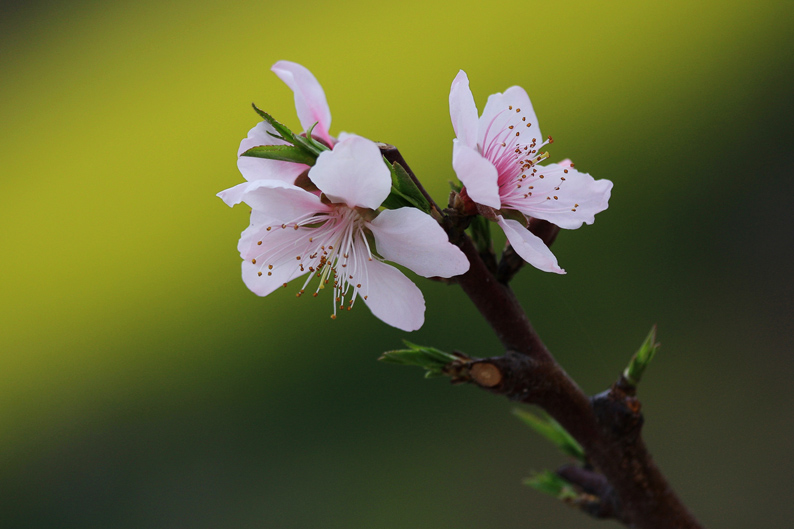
x,y
141,383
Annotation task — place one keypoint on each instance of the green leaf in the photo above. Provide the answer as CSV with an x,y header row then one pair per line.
x,y
311,147
429,358
285,153
404,192
552,484
554,432
317,144
283,131
641,359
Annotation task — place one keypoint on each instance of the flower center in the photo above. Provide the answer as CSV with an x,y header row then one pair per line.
x,y
331,246
512,148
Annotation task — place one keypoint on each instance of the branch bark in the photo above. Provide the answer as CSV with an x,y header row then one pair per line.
x,y
608,426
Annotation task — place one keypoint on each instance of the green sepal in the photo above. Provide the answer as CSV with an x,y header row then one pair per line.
x,y
285,153
480,231
404,192
429,358
554,432
317,144
284,132
550,483
311,146
641,359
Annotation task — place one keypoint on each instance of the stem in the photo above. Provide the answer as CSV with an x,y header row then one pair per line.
x,y
608,426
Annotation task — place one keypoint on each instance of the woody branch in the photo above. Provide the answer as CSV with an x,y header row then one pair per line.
x,y
625,482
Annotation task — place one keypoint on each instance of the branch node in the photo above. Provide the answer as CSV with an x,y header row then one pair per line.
x,y
486,374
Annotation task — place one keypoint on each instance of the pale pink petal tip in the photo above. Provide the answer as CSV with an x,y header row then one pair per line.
x,y
530,247
394,298
463,111
310,102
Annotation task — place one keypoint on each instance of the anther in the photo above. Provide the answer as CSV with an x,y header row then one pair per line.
x,y
259,273
259,243
565,171
253,261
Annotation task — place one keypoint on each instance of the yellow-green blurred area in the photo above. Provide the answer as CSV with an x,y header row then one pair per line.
x,y
141,383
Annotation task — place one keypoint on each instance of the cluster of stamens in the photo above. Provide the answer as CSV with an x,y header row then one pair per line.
x,y
331,246
516,161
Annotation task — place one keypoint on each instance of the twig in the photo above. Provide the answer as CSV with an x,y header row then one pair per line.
x,y
608,426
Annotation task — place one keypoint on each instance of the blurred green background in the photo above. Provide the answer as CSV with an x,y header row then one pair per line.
x,y
141,383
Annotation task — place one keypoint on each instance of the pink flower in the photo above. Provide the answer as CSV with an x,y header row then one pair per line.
x,y
311,107
496,157
339,237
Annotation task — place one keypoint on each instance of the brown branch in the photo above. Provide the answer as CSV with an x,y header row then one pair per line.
x,y
608,426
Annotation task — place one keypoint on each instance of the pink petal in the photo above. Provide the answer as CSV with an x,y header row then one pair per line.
x,y
259,136
234,195
512,108
353,172
392,297
275,201
413,239
564,196
530,247
310,102
477,174
269,256
264,284
262,169
463,111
